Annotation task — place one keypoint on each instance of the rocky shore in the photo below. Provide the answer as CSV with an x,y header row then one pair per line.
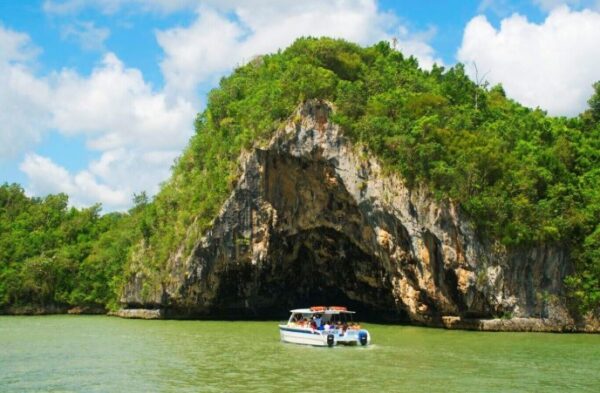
x,y
52,309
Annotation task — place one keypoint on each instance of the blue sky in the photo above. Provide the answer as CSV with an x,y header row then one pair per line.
x,y
98,97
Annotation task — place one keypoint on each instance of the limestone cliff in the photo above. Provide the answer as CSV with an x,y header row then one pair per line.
x,y
314,219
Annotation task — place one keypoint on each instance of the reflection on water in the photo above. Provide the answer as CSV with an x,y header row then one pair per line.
x,y
102,354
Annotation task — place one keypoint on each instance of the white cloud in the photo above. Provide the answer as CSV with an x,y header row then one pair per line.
x,y
416,44
15,47
199,52
549,5
111,180
86,34
137,132
46,177
23,110
501,8
62,7
133,169
23,98
551,65
115,108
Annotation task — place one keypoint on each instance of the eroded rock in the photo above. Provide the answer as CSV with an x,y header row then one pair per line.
x,y
314,219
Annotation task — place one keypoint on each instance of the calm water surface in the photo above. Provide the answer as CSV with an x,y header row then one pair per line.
x,y
103,354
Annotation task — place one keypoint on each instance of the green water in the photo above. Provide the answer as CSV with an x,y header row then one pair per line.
x,y
103,354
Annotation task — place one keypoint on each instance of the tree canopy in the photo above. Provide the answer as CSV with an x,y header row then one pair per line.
x,y
52,255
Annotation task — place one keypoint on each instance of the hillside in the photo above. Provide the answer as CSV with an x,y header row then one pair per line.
x,y
522,180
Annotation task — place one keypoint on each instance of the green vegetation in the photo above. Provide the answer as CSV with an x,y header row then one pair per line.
x,y
55,256
523,177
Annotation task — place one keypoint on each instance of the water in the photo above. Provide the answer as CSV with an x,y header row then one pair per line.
x,y
103,354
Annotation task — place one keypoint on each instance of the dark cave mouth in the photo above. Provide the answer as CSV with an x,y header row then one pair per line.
x,y
335,296
317,267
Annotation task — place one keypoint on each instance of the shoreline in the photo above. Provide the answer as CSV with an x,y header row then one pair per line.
x,y
527,325
53,310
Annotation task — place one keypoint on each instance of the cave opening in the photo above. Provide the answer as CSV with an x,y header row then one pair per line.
x,y
329,269
323,250
318,267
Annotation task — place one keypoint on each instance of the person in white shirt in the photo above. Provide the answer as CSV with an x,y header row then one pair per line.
x,y
317,319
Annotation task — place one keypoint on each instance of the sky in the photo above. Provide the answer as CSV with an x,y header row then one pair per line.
x,y
98,97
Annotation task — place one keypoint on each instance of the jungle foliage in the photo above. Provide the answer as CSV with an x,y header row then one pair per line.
x,y
54,257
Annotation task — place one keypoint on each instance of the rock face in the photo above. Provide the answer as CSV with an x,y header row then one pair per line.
x,y
314,219
138,313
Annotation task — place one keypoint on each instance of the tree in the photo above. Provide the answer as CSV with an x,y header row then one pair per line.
x,y
594,102
481,83
140,200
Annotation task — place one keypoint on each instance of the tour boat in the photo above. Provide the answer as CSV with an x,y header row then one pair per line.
x,y
323,326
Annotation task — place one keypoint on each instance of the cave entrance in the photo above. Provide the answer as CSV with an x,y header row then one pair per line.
x,y
323,267
322,249
316,258
319,267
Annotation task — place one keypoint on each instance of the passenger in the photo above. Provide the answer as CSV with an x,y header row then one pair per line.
x,y
318,320
327,326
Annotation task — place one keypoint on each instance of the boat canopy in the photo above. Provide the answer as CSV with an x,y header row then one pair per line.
x,y
322,310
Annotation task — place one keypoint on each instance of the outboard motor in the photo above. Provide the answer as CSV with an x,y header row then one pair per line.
x,y
363,337
330,341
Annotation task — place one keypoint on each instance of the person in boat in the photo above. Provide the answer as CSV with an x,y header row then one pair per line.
x,y
295,320
317,319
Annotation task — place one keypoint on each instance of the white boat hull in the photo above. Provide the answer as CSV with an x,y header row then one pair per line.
x,y
307,336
